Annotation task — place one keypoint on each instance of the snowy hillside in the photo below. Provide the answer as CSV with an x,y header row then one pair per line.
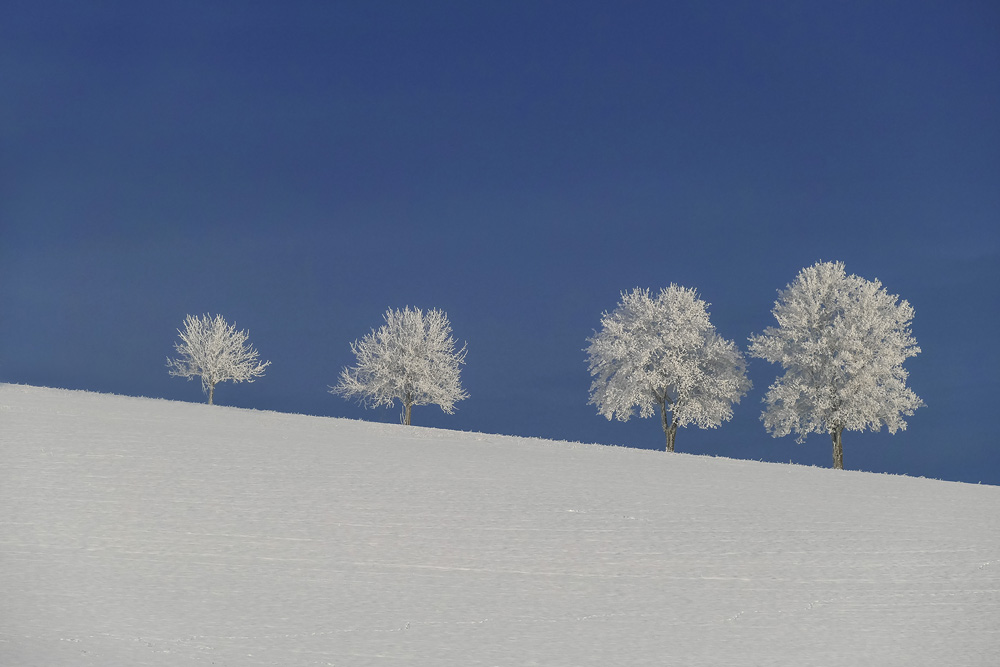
x,y
148,532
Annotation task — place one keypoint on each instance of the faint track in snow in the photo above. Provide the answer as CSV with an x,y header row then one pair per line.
x,y
163,534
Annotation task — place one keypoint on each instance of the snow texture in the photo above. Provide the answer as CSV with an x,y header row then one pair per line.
x,y
149,532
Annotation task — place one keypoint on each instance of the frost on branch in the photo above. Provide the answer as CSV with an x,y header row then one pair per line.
x,y
842,341
411,358
664,352
216,352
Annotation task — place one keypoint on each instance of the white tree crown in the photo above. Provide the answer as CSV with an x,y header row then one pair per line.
x,y
664,351
215,351
842,341
411,358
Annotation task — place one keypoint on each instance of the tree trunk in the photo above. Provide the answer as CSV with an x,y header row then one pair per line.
x,y
838,448
409,408
211,393
669,427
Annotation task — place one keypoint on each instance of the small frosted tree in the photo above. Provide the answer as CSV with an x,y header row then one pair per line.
x,y
411,358
842,341
216,352
664,353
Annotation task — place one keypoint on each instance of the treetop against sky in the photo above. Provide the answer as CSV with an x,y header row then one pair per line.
x,y
302,167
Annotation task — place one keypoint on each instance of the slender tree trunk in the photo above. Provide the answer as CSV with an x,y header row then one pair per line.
x,y
669,427
409,408
211,393
838,448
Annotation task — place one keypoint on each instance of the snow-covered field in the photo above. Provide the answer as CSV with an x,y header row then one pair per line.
x,y
149,532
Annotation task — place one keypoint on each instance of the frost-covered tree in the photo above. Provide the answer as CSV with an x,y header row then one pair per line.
x,y
664,353
411,358
215,351
842,341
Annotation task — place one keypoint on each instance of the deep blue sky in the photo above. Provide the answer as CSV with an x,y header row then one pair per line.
x,y
300,167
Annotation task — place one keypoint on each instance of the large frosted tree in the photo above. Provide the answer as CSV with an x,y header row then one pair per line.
x,y
663,352
842,341
411,358
215,351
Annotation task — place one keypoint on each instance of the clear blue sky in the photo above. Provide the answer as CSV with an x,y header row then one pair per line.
x,y
300,167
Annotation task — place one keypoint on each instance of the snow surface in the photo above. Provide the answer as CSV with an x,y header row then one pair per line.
x,y
149,532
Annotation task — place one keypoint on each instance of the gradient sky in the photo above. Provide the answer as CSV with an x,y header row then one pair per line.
x,y
299,167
